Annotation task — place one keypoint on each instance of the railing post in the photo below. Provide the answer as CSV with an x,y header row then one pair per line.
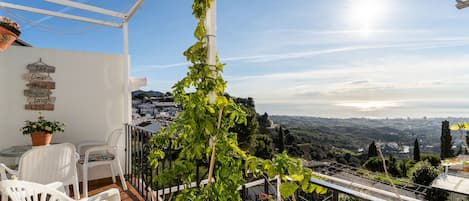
x,y
243,193
335,195
197,176
126,152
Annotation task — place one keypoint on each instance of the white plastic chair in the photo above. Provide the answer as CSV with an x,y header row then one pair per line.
x,y
102,153
28,191
47,164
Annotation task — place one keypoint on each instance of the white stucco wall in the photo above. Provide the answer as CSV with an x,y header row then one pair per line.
x,y
2,91
89,90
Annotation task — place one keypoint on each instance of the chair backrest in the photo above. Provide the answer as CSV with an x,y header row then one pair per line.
x,y
114,138
23,190
48,164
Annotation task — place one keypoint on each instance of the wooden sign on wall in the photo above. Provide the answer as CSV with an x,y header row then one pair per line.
x,y
37,92
40,86
36,77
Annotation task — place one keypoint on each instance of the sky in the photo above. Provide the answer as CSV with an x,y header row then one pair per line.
x,y
346,58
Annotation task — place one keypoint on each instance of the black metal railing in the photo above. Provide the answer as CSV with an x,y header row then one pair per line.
x,y
143,177
140,174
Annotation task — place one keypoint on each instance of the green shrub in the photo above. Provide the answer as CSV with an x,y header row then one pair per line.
x,y
409,165
436,194
375,164
423,173
432,158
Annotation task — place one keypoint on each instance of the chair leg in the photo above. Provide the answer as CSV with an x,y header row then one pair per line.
x,y
85,181
67,190
113,173
76,190
121,174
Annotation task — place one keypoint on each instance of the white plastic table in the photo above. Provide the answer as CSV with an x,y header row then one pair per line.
x,y
15,152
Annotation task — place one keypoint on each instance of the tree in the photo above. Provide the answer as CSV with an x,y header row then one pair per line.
x,y
263,147
246,131
375,164
393,167
423,173
446,141
372,150
264,123
281,141
431,158
403,167
416,150
289,139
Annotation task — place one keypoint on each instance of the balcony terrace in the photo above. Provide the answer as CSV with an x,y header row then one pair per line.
x,y
92,97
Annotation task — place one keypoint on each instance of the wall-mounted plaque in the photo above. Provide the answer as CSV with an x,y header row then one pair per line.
x,y
40,86
36,77
41,100
48,107
40,67
36,92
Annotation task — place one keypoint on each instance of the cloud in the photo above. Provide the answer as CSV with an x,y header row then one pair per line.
x,y
312,53
267,58
147,68
359,82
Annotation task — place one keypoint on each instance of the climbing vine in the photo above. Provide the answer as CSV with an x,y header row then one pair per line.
x,y
202,129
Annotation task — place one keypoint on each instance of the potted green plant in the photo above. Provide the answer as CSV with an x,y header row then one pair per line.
x,y
41,130
9,32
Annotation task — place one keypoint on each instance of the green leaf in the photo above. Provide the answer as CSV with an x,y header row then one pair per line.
x,y
200,31
210,109
321,190
297,177
287,189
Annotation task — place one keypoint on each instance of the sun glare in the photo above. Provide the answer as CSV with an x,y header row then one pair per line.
x,y
369,105
364,15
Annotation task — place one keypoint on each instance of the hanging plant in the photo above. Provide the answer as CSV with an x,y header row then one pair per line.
x,y
9,32
201,133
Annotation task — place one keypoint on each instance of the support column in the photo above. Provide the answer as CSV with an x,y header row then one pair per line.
x,y
211,29
127,93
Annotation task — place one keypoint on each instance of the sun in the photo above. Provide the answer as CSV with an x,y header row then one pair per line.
x,y
365,15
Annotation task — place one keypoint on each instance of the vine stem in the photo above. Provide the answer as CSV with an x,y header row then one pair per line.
x,y
213,144
386,172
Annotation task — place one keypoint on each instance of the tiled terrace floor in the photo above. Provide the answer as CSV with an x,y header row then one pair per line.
x,y
99,186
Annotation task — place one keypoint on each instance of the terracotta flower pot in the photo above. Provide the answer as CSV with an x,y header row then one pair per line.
x,y
41,139
7,37
465,166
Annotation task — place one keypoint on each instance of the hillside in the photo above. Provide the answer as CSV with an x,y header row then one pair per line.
x,y
355,133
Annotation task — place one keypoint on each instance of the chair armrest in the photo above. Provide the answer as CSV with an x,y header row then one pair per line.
x,y
89,143
57,186
4,169
109,195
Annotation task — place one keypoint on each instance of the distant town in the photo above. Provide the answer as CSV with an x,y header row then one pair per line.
x,y
152,110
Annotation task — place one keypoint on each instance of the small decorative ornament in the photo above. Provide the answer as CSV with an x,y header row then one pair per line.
x,y
9,32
